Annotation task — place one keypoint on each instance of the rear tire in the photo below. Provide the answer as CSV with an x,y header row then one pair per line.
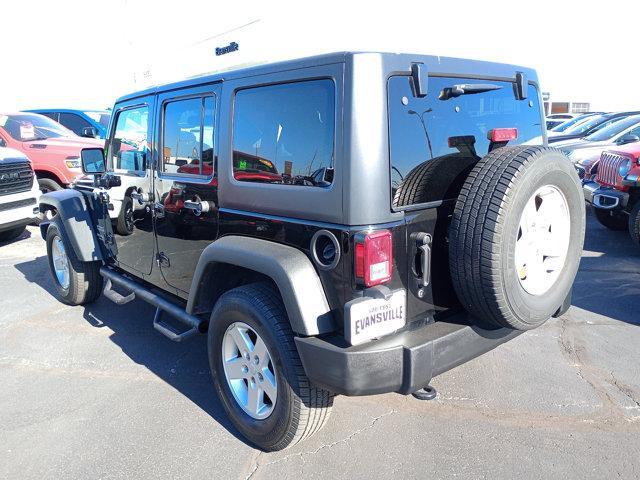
x,y
76,282
300,408
612,220
12,234
634,224
485,254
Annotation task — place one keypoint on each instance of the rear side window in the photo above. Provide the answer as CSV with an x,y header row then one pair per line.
x,y
284,134
74,122
441,136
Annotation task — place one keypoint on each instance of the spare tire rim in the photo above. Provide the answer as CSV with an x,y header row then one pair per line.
x,y
542,240
249,370
60,262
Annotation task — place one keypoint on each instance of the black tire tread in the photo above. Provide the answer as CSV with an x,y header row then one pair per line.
x,y
634,224
86,282
476,233
312,408
612,220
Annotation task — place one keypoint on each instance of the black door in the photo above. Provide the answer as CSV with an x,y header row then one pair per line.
x,y
186,182
129,154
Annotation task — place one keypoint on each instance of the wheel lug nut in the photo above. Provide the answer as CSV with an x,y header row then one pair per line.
x,y
245,369
260,377
256,360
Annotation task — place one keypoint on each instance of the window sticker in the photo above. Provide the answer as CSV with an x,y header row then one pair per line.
x,y
27,131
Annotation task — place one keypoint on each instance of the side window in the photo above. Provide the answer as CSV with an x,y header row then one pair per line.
x,y
284,134
187,136
129,146
74,122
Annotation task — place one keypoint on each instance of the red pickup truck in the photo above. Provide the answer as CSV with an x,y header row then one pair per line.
x,y
54,151
614,192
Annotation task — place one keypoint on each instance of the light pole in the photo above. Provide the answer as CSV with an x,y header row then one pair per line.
x,y
424,127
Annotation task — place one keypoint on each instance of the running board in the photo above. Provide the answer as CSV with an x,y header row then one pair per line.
x,y
162,305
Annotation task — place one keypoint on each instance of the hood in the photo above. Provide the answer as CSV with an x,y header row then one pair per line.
x,y
65,142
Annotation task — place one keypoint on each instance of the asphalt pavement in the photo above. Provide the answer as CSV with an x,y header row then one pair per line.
x,y
95,392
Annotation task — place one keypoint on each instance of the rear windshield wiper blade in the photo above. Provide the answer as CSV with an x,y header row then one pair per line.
x,y
466,89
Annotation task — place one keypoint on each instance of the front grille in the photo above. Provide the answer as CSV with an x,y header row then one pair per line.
x,y
17,204
15,177
609,168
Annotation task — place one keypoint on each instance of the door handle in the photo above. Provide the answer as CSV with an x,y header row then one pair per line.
x,y
198,207
423,241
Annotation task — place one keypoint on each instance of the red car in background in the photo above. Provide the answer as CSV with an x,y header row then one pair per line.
x,y
54,151
614,189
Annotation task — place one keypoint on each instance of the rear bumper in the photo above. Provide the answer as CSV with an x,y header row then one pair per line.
x,y
403,362
603,197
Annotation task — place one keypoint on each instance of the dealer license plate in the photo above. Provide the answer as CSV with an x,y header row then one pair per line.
x,y
369,318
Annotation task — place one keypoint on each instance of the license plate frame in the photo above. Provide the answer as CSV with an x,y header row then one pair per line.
x,y
367,318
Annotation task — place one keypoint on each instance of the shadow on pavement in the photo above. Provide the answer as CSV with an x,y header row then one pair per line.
x,y
184,366
608,282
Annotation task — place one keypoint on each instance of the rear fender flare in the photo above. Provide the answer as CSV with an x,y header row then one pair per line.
x,y
289,268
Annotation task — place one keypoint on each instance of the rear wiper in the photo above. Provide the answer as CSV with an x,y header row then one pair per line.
x,y
466,89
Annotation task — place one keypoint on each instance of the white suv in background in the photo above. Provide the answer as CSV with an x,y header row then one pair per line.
x,y
19,194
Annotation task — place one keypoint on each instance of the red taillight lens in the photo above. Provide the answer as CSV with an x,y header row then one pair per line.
x,y
502,134
374,258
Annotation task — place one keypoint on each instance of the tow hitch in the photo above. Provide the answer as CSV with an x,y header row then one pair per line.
x,y
426,393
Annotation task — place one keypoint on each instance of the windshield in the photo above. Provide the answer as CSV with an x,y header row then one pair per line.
x,y
570,123
607,133
28,126
588,124
101,117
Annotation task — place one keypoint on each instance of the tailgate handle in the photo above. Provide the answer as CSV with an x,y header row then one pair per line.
x,y
424,250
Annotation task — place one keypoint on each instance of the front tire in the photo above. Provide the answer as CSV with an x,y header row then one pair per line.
x,y
516,236
47,185
612,220
289,408
76,282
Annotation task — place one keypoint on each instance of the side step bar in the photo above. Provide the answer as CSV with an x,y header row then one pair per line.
x,y
162,305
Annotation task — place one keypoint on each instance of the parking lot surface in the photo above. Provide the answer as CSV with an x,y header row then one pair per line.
x,y
95,392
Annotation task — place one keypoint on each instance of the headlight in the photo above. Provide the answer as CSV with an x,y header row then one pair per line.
x,y
72,162
624,168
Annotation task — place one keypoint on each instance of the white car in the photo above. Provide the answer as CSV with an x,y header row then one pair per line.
x,y
19,194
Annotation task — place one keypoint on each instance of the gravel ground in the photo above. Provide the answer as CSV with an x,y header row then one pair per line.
x,y
95,392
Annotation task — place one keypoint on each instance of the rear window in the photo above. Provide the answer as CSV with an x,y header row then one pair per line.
x,y
444,136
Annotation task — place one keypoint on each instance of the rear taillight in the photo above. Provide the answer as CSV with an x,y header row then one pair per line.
x,y
374,257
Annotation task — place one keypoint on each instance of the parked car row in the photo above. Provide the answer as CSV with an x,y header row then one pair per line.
x,y
40,154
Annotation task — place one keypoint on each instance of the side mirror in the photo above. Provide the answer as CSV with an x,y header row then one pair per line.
x,y
92,160
628,138
89,132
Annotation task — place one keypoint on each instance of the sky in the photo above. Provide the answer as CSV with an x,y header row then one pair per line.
x,y
64,54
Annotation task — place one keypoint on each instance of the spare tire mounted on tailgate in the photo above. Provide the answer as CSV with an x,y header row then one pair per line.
x,y
516,236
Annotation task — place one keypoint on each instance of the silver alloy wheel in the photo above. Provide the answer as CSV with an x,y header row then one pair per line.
x,y
543,240
60,262
249,370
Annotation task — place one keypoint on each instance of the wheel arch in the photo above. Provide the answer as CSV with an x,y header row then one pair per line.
x,y
234,260
74,220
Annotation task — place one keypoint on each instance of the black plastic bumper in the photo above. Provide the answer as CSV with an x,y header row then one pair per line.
x,y
403,362
604,197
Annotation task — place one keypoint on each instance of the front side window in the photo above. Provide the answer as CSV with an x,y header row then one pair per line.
x,y
435,140
187,136
129,146
284,134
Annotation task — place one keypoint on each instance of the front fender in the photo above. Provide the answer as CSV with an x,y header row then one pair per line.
x,y
289,268
75,220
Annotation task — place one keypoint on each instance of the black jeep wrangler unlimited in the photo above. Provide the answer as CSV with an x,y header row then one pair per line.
x,y
353,223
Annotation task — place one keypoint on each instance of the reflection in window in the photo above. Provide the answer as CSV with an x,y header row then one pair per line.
x,y
435,140
187,136
284,133
129,146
